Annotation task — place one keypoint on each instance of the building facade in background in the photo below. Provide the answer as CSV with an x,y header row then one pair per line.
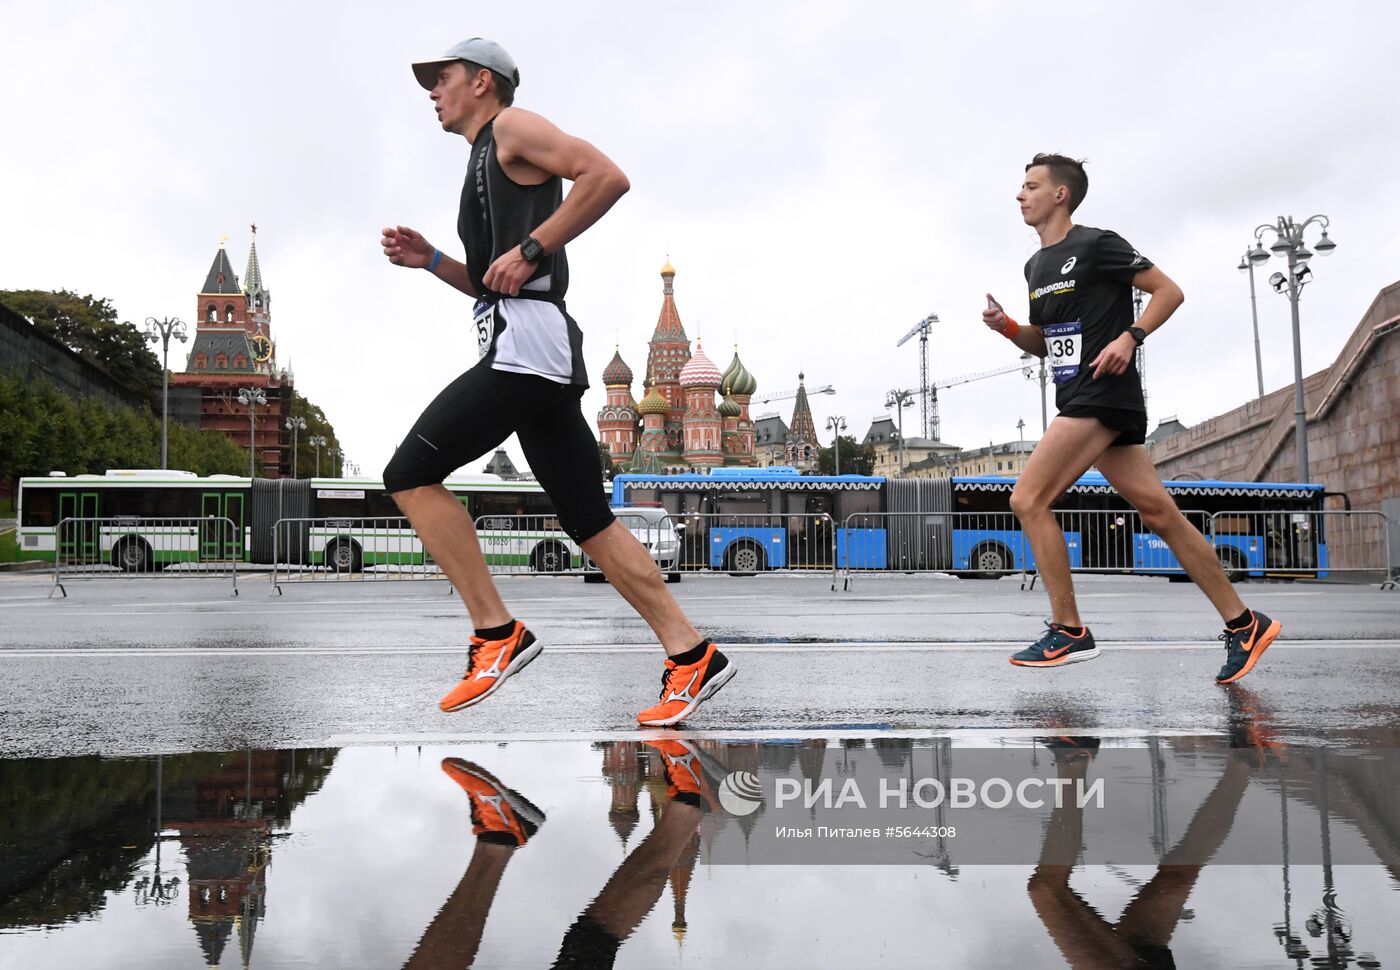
x,y
234,349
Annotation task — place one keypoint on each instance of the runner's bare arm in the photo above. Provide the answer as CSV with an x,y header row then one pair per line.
x,y
1166,297
531,149
407,247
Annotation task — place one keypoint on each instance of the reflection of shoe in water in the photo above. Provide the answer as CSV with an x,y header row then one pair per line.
x,y
1067,749
1244,647
1251,725
685,769
499,814
1057,648
684,687
489,664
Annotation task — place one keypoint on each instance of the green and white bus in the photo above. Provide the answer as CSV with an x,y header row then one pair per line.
x,y
142,520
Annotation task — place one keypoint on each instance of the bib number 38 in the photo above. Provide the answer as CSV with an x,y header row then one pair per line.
x,y
1063,343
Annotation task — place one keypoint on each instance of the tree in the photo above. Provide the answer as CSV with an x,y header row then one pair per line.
x,y
605,459
89,327
316,423
856,459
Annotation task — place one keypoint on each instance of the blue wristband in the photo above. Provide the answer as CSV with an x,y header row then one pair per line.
x,y
437,258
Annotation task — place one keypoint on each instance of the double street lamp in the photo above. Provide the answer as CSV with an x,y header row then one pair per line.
x,y
317,441
1288,243
295,426
336,455
163,330
250,398
899,400
836,423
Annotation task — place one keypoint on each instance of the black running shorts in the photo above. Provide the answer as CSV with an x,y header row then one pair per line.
x,y
1130,425
479,410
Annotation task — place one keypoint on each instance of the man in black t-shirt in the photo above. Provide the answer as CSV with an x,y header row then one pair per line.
x,y
1080,284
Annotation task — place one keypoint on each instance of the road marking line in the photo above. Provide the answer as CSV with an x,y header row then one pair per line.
x,y
848,646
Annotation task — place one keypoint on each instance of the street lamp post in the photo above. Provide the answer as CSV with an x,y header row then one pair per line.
x,y
295,425
1029,373
1247,266
318,441
335,462
899,400
1288,242
836,423
163,330
1020,444
251,397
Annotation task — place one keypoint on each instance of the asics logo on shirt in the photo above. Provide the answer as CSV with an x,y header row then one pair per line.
x,y
1069,264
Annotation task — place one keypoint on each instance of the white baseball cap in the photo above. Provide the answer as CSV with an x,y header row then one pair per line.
x,y
478,50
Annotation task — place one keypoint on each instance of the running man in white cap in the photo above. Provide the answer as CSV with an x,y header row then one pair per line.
x,y
514,222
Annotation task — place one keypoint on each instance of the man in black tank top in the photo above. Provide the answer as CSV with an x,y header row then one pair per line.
x,y
1080,285
513,222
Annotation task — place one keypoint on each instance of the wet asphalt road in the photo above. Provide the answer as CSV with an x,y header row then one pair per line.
x,y
123,667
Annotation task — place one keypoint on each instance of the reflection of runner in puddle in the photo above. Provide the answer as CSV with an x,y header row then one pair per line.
x,y
1140,937
504,820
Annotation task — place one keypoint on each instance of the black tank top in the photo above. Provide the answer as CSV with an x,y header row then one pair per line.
x,y
496,215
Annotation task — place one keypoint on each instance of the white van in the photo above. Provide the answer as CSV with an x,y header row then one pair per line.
x,y
654,529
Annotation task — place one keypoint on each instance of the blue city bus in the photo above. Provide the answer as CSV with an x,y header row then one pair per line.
x,y
752,519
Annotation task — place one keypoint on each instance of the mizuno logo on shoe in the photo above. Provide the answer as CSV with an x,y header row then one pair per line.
x,y
684,695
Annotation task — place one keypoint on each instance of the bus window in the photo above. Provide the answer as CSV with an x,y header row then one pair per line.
x,y
497,503
741,503
38,508
857,503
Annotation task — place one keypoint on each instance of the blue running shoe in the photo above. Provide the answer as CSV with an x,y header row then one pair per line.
x,y
1057,648
1244,647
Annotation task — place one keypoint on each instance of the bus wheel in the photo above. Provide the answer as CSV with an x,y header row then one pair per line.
x,y
1233,562
132,555
549,557
343,555
989,561
745,559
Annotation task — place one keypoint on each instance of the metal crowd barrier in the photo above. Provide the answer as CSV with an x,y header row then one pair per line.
x,y
331,549
1328,544
745,544
208,547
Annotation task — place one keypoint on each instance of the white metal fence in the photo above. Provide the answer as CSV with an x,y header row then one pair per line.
x,y
208,547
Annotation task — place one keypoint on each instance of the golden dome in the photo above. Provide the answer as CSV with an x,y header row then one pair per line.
x,y
668,269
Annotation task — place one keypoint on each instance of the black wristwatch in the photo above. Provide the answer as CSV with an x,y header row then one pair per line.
x,y
531,249
1139,335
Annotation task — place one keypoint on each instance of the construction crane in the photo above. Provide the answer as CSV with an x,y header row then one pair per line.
x,y
963,379
787,395
922,328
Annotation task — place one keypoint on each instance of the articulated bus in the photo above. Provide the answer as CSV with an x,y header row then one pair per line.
x,y
751,519
141,520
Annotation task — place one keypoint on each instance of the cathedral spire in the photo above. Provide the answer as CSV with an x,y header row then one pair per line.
x,y
802,428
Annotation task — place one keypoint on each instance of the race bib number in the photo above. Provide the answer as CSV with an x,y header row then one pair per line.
x,y
1063,342
484,319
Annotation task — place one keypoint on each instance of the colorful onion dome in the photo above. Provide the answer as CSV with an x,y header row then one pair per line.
x,y
653,402
668,269
700,371
738,379
617,372
729,408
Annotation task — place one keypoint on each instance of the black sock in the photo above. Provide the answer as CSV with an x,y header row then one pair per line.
x,y
694,655
1074,631
497,632
1240,622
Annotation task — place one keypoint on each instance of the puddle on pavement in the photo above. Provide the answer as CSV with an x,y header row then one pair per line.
x,y
623,853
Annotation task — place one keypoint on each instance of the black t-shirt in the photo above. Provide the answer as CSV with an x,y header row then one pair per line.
x,y
1081,292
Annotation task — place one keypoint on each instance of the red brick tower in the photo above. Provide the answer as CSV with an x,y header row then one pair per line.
x,y
802,432
701,425
667,354
617,422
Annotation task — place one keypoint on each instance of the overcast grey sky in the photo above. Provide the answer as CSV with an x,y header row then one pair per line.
x,y
822,176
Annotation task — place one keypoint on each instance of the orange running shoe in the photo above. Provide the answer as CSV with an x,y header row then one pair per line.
x,y
499,814
684,768
489,663
684,687
1244,647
